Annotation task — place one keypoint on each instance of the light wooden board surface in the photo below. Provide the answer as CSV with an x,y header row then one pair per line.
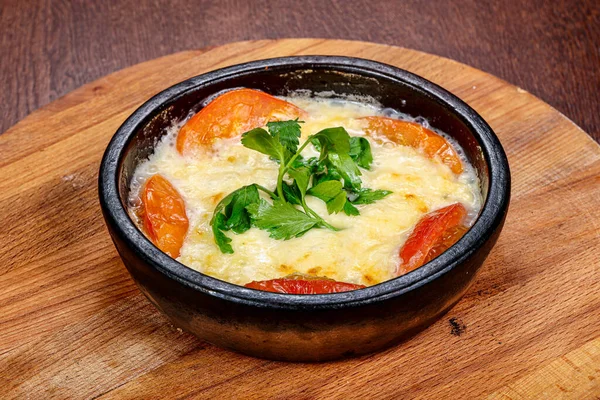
x,y
73,324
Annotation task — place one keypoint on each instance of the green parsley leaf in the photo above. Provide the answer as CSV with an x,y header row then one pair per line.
x,y
287,132
347,168
332,193
301,176
315,142
330,175
312,164
337,204
256,210
369,196
234,203
292,193
221,206
360,151
238,219
335,147
218,226
231,214
258,139
333,139
326,190
281,220
349,209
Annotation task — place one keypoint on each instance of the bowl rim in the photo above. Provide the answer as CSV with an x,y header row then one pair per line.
x,y
490,218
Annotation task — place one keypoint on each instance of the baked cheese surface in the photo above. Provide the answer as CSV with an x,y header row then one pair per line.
x,y
364,251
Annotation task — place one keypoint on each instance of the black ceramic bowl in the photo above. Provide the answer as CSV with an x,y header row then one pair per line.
x,y
305,327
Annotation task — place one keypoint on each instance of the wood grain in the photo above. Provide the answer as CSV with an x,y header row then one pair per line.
x,y
73,324
549,48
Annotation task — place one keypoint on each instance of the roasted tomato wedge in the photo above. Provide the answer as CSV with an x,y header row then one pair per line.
x,y
231,114
299,285
417,136
434,234
164,215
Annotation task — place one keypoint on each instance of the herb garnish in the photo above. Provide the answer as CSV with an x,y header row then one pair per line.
x,y
333,177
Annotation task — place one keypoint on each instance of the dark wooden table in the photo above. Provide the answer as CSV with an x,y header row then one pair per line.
x,y
549,48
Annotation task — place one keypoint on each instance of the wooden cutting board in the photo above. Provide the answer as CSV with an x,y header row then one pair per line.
x,y
74,325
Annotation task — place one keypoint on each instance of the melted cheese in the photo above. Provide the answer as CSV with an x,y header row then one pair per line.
x,y
365,251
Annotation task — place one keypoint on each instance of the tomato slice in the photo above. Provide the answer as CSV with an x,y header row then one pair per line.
x,y
164,215
417,136
231,114
433,234
451,236
303,286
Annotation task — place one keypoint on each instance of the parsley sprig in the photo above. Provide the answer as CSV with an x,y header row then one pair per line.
x,y
333,177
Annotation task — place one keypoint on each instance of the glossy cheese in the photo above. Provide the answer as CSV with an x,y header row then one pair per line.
x,y
365,251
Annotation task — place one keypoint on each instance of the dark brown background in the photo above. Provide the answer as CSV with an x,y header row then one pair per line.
x,y
549,48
